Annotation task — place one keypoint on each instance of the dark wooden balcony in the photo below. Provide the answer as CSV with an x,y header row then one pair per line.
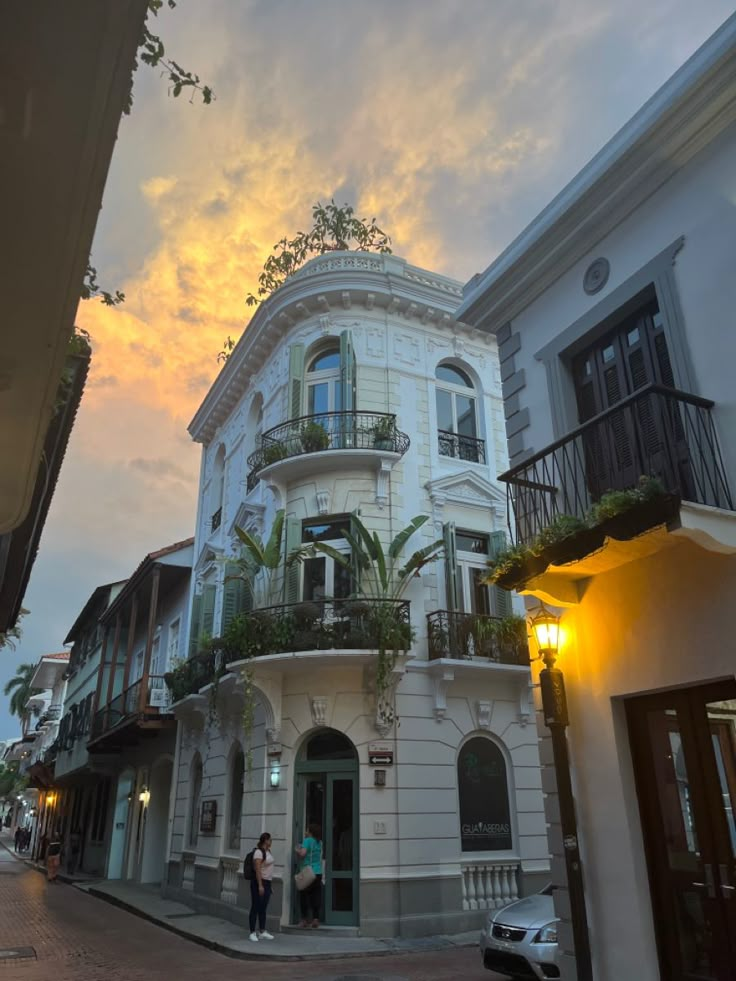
x,y
347,431
463,636
327,625
656,432
136,711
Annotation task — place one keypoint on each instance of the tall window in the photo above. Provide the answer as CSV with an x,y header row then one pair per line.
x,y
324,389
217,489
172,651
472,563
485,815
457,415
237,776
195,800
323,577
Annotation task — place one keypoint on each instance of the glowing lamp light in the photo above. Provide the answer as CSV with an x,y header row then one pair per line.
x,y
144,796
275,776
546,629
50,798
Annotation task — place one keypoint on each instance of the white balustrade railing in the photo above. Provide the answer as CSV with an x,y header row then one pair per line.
x,y
187,872
490,885
229,869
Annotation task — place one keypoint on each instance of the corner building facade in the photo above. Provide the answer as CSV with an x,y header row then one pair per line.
x,y
355,391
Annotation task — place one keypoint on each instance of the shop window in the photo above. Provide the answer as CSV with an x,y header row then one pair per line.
x,y
485,814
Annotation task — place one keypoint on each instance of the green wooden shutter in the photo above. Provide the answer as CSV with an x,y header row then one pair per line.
x,y
451,571
208,610
291,578
347,371
230,596
501,598
355,565
195,625
296,381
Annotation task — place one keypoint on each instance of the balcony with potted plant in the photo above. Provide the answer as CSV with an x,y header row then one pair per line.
x,y
310,444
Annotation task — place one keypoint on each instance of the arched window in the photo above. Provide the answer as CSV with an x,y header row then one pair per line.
x,y
485,815
324,388
457,415
195,799
237,777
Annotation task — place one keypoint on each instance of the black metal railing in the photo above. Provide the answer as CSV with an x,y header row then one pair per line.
x,y
127,705
216,520
327,431
466,635
658,432
348,624
461,447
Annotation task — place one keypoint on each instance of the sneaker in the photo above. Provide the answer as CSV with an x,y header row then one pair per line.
x,y
265,935
253,937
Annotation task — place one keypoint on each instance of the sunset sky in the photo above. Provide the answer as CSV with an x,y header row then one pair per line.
x,y
452,121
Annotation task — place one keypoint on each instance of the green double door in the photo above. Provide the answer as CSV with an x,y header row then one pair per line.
x,y
326,794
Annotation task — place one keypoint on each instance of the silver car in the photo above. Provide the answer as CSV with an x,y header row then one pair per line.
x,y
520,940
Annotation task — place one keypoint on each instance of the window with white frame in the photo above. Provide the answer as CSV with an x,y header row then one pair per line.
x,y
457,415
324,388
172,649
473,550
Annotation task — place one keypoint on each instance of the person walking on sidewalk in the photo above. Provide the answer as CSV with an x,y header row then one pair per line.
x,y
53,857
260,888
310,898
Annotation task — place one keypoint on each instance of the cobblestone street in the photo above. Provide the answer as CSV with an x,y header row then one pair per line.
x,y
76,937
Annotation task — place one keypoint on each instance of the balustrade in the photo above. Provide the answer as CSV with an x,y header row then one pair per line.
x,y
489,885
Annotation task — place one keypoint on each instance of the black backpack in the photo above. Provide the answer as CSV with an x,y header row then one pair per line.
x,y
248,871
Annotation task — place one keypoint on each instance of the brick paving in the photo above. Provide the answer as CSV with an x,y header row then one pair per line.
x,y
79,938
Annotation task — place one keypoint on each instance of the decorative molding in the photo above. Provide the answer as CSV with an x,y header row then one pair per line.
x,y
406,349
319,709
465,488
526,703
250,514
375,343
273,742
323,501
483,709
382,481
596,276
440,682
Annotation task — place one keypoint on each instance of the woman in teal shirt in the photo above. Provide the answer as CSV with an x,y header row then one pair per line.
x,y
311,897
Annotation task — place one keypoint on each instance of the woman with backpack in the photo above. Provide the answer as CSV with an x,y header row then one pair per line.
x,y
260,887
310,897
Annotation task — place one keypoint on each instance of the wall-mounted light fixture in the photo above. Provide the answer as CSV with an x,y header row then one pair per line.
x,y
50,798
275,777
144,796
545,626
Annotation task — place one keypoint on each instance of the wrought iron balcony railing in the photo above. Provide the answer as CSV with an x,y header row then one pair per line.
x,y
658,432
327,431
347,624
127,705
465,635
461,447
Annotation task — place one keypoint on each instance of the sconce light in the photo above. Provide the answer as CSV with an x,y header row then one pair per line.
x,y
546,629
275,775
50,798
144,796
379,778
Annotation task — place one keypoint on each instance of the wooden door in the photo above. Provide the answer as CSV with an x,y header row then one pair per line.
x,y
684,751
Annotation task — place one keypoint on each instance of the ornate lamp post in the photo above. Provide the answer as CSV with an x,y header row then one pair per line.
x,y
545,627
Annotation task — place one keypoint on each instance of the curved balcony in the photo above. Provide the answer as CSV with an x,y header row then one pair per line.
x,y
361,435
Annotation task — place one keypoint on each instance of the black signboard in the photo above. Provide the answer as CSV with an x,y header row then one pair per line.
x,y
208,818
485,821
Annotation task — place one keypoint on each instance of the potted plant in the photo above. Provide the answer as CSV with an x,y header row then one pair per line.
x,y
384,433
273,452
314,437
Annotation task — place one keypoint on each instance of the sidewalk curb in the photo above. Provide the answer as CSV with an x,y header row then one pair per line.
x,y
243,955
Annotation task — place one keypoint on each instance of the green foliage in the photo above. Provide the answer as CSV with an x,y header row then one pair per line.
x,y
384,430
11,783
19,690
314,437
334,228
227,349
91,289
10,638
259,565
565,526
273,452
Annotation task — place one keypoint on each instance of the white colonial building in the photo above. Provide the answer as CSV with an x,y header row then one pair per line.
x,y
355,391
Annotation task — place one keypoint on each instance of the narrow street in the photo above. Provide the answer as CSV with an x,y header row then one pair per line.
x,y
75,937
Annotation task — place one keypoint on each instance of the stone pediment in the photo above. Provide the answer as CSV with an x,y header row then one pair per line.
x,y
209,556
466,488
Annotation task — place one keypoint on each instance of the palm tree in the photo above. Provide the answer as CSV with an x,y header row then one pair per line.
x,y
19,689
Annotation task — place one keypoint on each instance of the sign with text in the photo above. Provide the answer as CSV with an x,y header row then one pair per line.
x,y
380,754
485,820
208,817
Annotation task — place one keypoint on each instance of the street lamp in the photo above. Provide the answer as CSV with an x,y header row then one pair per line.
x,y
545,628
144,796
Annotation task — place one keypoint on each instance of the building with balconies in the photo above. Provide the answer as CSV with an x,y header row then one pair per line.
x,y
355,391
613,312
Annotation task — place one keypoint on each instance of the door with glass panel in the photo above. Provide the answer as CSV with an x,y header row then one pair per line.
x,y
684,751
